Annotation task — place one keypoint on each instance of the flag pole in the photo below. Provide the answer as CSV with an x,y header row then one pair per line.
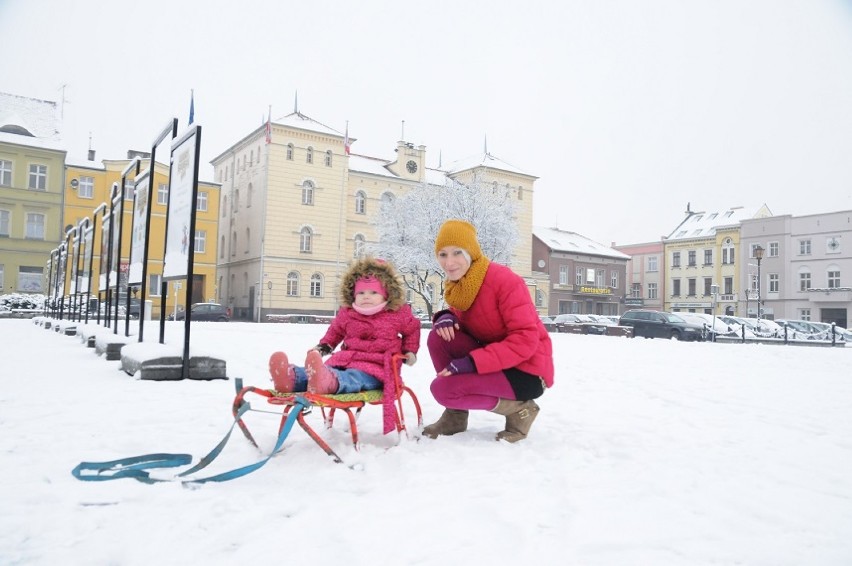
x,y
340,213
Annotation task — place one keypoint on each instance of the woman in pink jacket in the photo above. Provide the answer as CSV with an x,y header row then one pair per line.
x,y
372,325
490,349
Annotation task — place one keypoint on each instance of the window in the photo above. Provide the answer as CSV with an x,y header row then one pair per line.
x,y
579,279
833,279
224,205
613,279
539,298
675,259
234,244
5,173
35,226
200,241
636,290
249,196
728,284
222,247
804,247
708,257
804,314
751,248
599,277
360,245
675,287
316,285
154,282
388,198
652,290
307,193
773,249
162,193
248,239
690,286
563,275
804,281
692,259
708,284
38,177
86,188
652,263
306,240
328,158
235,202
30,279
292,284
309,156
360,203
5,219
251,158
201,200
774,283
290,152
129,189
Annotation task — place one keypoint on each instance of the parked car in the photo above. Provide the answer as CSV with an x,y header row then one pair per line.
x,y
825,330
799,329
658,324
767,328
713,326
568,323
548,323
204,311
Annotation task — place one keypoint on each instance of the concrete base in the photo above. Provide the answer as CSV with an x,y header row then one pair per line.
x,y
169,368
111,350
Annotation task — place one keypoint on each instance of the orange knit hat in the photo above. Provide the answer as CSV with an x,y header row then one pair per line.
x,y
460,234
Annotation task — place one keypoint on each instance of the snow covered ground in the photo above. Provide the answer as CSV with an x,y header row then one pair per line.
x,y
646,452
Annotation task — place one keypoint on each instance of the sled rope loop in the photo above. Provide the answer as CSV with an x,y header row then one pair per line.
x,y
137,467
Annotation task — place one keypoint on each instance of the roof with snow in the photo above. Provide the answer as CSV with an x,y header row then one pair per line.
x,y
485,160
303,122
705,224
29,121
571,242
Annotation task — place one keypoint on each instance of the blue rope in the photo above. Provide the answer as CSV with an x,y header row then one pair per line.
x,y
136,466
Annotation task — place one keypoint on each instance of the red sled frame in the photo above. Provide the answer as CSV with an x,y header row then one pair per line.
x,y
328,405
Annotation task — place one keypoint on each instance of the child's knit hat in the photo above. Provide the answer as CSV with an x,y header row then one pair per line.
x,y
460,234
370,283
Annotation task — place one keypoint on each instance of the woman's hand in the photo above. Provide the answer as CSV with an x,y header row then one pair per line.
x,y
446,326
459,365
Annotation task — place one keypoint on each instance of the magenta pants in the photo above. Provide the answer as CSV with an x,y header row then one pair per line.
x,y
466,390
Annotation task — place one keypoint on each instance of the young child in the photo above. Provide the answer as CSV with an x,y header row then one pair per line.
x,y
373,324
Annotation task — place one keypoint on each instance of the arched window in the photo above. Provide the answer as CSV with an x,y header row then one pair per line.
x,y
234,243
388,198
220,291
251,159
236,203
248,239
306,237
316,285
520,193
360,244
224,205
308,193
360,202
328,158
290,149
293,284
232,292
309,157
728,251
805,282
249,195
222,247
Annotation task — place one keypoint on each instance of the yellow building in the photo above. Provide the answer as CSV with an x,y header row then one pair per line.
x,y
31,180
702,252
296,210
90,184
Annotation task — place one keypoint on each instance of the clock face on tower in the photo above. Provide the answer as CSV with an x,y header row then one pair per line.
x,y
411,166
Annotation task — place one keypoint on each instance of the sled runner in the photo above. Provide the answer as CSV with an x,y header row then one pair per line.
x,y
349,403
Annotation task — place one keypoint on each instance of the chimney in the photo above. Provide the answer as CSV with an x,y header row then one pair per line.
x,y
91,155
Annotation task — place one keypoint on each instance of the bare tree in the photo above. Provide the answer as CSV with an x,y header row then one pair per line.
x,y
408,225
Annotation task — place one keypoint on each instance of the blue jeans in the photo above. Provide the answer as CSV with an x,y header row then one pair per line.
x,y
349,380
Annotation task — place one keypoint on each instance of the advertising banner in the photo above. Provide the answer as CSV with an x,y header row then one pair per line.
x,y
182,195
140,225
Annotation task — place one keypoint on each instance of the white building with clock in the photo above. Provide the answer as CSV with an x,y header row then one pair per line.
x,y
806,270
297,206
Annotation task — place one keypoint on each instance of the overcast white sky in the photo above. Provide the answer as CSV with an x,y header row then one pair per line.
x,y
625,110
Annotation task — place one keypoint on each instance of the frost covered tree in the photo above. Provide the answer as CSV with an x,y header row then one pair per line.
x,y
408,225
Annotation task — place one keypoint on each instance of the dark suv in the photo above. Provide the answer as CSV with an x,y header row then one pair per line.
x,y
658,324
205,311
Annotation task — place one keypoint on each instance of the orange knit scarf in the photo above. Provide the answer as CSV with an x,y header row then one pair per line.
x,y
461,294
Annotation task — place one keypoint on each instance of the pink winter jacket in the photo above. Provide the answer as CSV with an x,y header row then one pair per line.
x,y
368,342
504,320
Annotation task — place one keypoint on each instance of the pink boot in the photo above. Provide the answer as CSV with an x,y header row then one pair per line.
x,y
283,376
320,378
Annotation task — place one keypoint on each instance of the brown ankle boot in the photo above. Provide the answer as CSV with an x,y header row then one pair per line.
x,y
519,418
451,422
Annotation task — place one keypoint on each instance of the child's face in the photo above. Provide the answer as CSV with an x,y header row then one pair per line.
x,y
368,298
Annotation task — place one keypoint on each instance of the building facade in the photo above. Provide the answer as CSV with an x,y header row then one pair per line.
x,y
702,252
645,285
32,169
806,269
585,277
297,206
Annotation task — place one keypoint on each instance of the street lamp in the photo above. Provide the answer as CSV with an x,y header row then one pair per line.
x,y
758,255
